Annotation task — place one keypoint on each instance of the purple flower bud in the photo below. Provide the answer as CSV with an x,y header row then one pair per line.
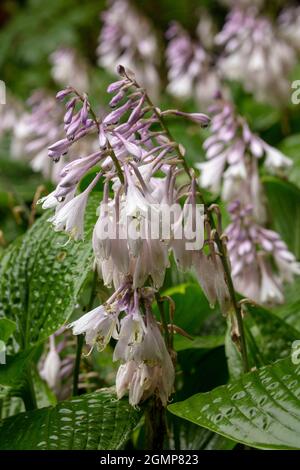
x,y
84,112
63,93
60,146
71,103
114,116
116,99
199,118
113,87
137,111
74,126
68,116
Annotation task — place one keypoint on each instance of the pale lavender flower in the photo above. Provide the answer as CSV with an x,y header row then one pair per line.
x,y
147,367
233,153
50,371
261,262
255,54
190,67
289,26
36,128
127,37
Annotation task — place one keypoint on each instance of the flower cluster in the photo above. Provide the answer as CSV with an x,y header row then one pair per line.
x,y
261,261
233,154
190,66
289,25
139,163
35,129
127,37
146,366
255,54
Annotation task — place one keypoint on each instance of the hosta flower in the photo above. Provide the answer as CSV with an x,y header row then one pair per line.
x,y
261,261
127,38
233,154
256,55
190,70
98,325
51,367
36,128
289,25
70,217
148,367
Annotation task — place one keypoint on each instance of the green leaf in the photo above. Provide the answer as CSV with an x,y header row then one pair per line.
x,y
267,337
284,205
41,277
192,307
94,421
14,373
7,327
189,436
182,343
290,146
261,409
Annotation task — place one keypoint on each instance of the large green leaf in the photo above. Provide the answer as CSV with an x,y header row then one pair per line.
x,y
290,146
93,421
261,409
284,205
189,436
7,327
268,337
41,277
192,307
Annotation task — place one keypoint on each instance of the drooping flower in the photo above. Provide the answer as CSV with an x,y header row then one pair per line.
x,y
51,367
127,37
255,54
98,325
233,154
261,262
190,67
148,367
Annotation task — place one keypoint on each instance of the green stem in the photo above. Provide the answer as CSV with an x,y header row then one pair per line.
x,y
29,393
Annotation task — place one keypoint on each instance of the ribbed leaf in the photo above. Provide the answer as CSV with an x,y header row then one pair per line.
x,y
261,409
41,276
93,421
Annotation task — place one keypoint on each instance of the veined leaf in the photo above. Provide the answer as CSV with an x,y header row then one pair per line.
x,y
94,421
41,277
261,409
